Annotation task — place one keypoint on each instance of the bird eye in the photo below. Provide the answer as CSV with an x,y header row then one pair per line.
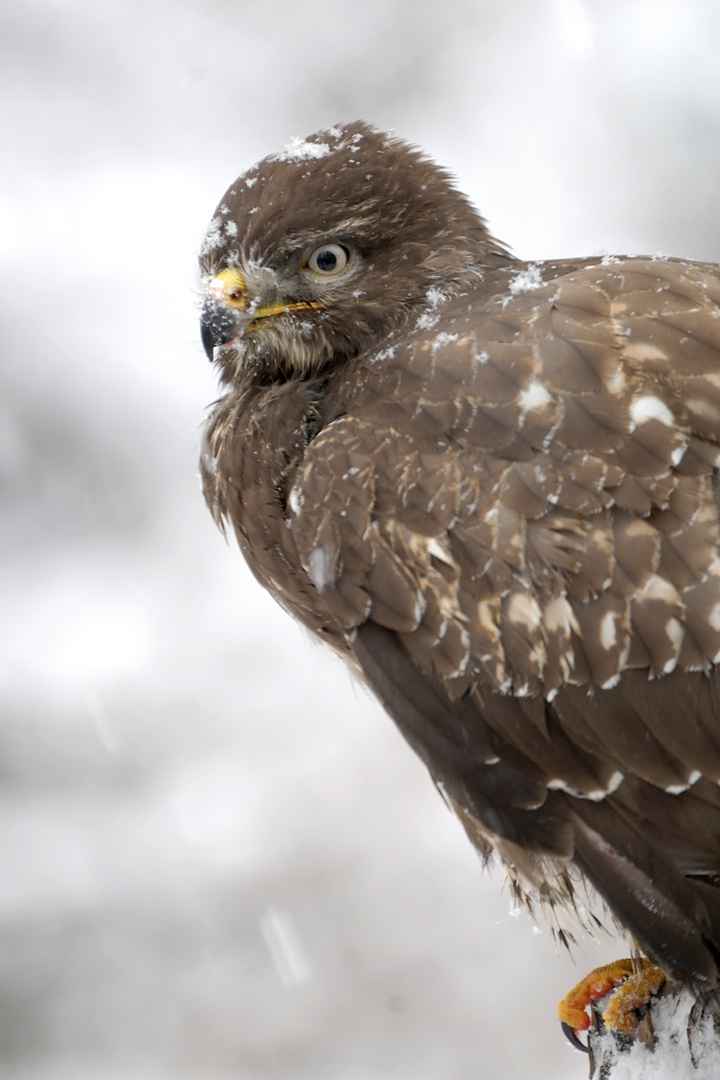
x,y
328,260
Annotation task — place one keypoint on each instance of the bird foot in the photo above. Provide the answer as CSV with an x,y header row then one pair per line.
x,y
636,982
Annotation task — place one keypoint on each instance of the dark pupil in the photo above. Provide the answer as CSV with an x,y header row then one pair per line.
x,y
326,260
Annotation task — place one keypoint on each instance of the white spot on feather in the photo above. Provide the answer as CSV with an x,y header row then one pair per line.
x,y
614,782
657,588
534,395
676,789
676,632
435,548
650,407
608,630
321,567
639,350
616,382
419,609
524,610
559,615
596,795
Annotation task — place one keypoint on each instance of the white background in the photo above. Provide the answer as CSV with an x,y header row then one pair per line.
x,y
217,858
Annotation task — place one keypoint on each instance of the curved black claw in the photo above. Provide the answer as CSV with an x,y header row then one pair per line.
x,y
571,1037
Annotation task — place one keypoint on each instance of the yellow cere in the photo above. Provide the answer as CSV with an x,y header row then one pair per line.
x,y
229,286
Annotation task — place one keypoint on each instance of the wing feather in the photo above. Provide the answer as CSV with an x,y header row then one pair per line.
x,y
482,482
528,562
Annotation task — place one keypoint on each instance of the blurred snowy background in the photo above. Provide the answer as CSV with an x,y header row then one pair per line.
x,y
218,860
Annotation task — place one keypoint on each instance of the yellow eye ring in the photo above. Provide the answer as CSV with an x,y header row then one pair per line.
x,y
328,260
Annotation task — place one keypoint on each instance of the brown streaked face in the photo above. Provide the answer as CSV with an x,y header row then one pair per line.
x,y
276,313
321,251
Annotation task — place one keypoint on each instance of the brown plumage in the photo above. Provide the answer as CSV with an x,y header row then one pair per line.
x,y
492,486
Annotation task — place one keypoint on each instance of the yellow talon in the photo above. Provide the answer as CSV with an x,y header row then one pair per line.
x,y
633,994
637,981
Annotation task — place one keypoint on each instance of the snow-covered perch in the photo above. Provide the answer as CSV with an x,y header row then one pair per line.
x,y
678,1038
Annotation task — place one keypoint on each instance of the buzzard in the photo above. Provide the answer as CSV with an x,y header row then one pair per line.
x,y
491,486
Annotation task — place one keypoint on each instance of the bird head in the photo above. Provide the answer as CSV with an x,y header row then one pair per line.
x,y
322,251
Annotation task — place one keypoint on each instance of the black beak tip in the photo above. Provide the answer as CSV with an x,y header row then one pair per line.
x,y
217,327
206,336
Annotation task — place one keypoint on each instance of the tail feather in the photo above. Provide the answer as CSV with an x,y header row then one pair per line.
x,y
671,920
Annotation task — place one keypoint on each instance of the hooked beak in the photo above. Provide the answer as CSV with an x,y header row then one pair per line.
x,y
226,315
